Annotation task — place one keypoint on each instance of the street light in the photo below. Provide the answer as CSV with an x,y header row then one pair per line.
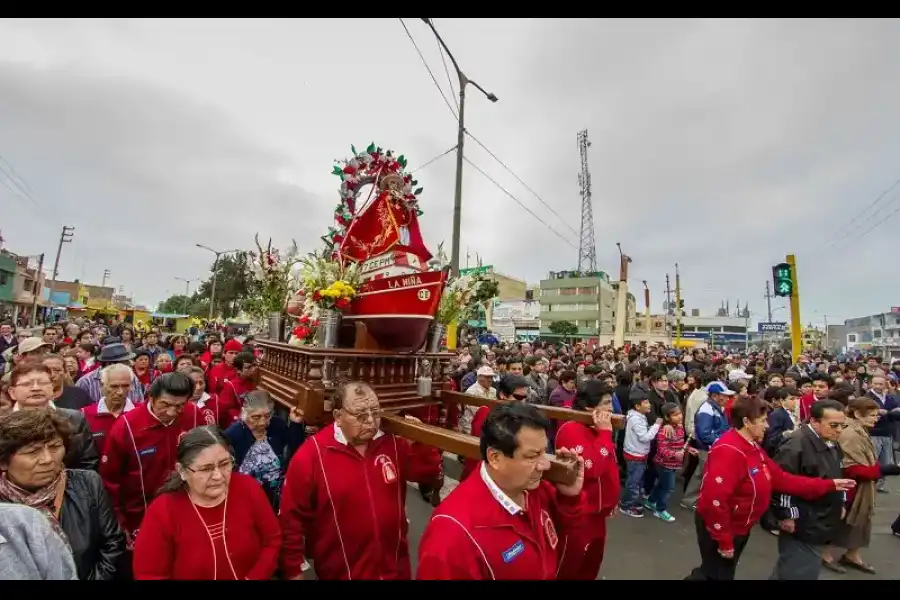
x,y
187,291
212,295
461,132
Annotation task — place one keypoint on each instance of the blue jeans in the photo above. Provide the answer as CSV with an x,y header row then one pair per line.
x,y
634,481
665,483
884,452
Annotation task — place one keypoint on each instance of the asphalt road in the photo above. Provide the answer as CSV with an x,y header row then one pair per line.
x,y
648,548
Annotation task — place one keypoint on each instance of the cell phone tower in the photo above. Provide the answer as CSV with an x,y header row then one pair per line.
x,y
587,248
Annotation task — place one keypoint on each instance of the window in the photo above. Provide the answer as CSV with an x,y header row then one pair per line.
x,y
589,291
851,338
4,277
658,324
568,291
876,334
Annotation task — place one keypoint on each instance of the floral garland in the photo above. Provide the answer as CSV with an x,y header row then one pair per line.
x,y
322,284
463,296
365,167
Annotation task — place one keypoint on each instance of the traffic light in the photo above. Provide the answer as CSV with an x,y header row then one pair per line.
x,y
784,282
681,304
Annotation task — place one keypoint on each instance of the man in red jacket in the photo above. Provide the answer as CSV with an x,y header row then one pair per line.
x,y
140,450
505,522
343,503
219,373
227,406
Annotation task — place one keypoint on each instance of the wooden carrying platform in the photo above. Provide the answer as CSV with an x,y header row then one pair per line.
x,y
307,378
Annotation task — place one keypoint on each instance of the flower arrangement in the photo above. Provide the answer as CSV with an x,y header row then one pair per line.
x,y
327,284
304,332
271,278
463,296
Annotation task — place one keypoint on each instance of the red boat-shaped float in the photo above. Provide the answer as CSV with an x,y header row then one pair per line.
x,y
400,286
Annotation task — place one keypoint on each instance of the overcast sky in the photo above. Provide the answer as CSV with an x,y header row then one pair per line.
x,y
718,144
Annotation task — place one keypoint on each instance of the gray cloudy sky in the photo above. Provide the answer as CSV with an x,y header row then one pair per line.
x,y
719,144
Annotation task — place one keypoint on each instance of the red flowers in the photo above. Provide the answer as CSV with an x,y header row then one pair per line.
x,y
300,332
342,303
317,295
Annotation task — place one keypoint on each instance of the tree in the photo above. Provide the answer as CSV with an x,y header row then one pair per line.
x,y
566,329
232,285
181,304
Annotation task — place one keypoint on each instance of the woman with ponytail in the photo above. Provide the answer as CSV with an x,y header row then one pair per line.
x,y
208,522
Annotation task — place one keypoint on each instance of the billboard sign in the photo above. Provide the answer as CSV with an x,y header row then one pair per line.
x,y
772,327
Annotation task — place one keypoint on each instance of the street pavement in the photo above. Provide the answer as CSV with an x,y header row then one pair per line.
x,y
648,548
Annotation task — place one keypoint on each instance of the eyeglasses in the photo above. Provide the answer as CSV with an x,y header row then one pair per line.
x,y
259,417
837,425
364,416
208,471
34,383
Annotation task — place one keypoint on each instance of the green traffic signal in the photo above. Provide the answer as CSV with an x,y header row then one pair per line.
x,y
784,284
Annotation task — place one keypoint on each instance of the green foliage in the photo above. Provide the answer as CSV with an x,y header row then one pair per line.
x,y
563,328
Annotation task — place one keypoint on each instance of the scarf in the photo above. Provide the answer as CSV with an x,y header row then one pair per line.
x,y
44,499
859,450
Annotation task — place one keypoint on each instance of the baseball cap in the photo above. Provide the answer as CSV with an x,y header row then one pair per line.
x,y
31,344
717,388
738,375
485,372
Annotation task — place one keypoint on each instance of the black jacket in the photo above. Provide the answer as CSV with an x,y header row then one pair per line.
x,y
82,452
805,453
87,518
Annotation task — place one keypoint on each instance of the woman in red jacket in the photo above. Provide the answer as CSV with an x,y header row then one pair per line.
x,y
208,523
582,553
737,487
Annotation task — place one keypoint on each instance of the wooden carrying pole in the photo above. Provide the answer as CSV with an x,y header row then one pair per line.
x,y
465,445
551,412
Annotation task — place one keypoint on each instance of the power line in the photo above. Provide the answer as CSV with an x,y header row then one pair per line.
x,y
883,220
20,187
438,157
425,63
517,201
847,233
446,70
16,173
519,179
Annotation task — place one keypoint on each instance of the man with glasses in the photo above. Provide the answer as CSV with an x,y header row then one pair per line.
x,y
807,527
141,450
343,502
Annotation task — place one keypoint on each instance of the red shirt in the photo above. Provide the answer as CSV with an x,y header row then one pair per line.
x,y
140,453
345,511
239,539
738,484
470,464
227,407
478,533
216,376
601,473
100,421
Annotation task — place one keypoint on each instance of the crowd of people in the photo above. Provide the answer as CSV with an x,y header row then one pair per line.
x,y
124,455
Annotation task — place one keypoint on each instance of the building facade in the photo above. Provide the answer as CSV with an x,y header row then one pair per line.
x,y
877,334
727,332
587,300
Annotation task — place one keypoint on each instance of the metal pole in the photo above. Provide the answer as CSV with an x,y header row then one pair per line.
x,y
36,290
746,332
457,197
668,308
769,301
677,305
212,294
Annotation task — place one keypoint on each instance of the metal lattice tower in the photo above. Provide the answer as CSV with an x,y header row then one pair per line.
x,y
587,248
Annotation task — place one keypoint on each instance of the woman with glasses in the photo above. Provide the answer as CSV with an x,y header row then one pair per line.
x,y
263,443
208,522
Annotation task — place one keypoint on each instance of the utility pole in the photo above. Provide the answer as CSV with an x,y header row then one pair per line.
x,y
215,269
668,308
64,238
647,303
187,292
105,277
677,306
460,135
769,301
36,289
796,340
